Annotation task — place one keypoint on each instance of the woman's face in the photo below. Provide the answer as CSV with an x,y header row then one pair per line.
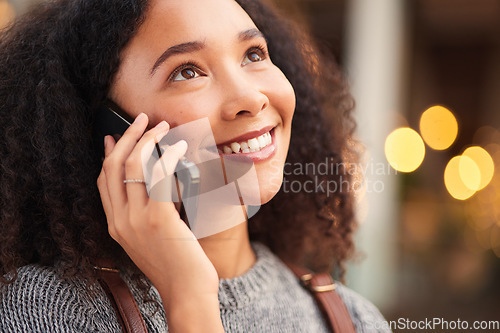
x,y
194,59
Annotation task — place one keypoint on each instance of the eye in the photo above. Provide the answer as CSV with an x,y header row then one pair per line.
x,y
255,54
185,72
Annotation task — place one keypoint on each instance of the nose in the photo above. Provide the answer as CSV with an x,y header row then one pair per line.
x,y
242,96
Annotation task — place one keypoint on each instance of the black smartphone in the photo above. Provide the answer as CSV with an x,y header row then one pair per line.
x,y
111,120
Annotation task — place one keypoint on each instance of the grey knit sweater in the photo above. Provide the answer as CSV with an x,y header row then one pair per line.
x,y
268,298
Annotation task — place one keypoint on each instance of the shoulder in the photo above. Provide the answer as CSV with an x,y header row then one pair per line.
x,y
365,316
39,299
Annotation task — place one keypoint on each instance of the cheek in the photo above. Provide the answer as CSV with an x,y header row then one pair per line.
x,y
177,110
282,96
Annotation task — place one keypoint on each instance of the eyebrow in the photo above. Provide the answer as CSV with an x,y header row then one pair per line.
x,y
250,34
188,47
194,46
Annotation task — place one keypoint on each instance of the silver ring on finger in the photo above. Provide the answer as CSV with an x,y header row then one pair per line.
x,y
128,181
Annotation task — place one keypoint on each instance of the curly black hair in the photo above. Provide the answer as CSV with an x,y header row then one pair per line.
x,y
57,63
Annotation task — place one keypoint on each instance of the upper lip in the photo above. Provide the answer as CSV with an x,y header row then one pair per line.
x,y
248,135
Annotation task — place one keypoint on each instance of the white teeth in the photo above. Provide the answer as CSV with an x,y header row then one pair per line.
x,y
250,146
262,141
235,146
253,144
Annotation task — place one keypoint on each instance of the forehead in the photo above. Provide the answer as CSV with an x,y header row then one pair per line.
x,y
193,19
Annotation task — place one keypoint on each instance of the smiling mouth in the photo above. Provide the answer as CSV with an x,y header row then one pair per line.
x,y
252,145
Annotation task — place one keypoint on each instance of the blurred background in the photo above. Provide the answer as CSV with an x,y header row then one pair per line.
x,y
426,78
425,75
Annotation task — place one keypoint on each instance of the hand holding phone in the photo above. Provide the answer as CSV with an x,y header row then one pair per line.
x,y
111,120
152,232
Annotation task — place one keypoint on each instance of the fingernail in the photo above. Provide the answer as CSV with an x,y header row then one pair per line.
x,y
181,143
140,117
162,125
105,141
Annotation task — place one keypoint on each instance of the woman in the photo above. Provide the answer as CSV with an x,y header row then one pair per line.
x,y
166,63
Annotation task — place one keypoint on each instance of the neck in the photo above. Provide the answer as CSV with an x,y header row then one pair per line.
x,y
230,251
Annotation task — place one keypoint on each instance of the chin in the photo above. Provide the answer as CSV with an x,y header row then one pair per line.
x,y
269,190
259,195
260,184
270,177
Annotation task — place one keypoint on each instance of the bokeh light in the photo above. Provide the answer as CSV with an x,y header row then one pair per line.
x,y
438,127
7,13
483,209
485,163
486,134
470,174
453,179
404,149
492,148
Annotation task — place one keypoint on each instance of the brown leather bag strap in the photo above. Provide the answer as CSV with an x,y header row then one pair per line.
x,y
121,298
333,308
321,285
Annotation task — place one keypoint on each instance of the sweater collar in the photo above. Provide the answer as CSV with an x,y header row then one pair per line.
x,y
244,289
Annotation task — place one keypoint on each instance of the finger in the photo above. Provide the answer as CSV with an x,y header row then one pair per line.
x,y
102,185
134,164
128,140
171,157
104,193
106,201
113,164
109,144
162,174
